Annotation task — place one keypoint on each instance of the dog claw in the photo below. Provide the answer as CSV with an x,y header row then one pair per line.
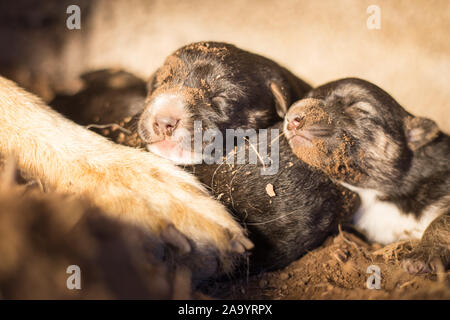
x,y
248,245
237,247
175,238
241,245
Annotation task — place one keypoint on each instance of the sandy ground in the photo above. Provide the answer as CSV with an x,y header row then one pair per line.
x,y
338,270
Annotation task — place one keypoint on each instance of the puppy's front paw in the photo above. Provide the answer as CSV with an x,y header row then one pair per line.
x,y
414,266
433,252
422,260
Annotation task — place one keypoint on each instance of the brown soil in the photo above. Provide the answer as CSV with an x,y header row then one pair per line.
x,y
204,47
337,270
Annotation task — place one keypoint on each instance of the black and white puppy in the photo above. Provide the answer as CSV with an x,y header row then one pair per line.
x,y
218,84
397,163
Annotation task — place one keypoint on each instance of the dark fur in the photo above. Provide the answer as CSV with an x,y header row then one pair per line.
x,y
239,94
237,84
411,168
107,96
305,210
412,179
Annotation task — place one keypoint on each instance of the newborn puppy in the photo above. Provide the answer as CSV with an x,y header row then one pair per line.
x,y
110,104
108,95
287,213
216,83
398,164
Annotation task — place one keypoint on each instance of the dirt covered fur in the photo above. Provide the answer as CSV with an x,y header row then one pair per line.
x,y
218,85
398,163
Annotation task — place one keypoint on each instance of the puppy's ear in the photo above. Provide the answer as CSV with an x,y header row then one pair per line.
x,y
281,99
420,131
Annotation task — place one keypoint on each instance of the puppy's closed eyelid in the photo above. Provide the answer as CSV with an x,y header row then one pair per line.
x,y
363,106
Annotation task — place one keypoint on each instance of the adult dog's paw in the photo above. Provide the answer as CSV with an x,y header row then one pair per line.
x,y
143,189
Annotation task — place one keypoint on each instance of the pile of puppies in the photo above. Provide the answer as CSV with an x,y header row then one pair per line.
x,y
347,150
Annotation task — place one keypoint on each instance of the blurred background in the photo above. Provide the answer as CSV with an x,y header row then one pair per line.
x,y
320,41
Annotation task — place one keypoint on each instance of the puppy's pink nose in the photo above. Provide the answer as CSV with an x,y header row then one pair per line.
x,y
296,123
165,125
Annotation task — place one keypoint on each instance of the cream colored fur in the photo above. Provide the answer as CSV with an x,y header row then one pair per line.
x,y
129,184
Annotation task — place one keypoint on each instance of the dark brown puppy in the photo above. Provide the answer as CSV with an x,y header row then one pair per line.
x,y
225,87
218,84
287,213
398,164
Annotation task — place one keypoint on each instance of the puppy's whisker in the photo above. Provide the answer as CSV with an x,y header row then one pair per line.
x,y
276,138
257,153
110,125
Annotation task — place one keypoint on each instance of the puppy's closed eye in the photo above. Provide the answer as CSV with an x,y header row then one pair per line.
x,y
360,107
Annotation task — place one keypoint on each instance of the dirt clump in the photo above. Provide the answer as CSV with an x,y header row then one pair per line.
x,y
206,48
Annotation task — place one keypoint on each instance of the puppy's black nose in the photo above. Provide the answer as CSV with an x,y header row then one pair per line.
x,y
296,122
165,125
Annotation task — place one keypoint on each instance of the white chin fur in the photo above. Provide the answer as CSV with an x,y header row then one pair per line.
x,y
178,155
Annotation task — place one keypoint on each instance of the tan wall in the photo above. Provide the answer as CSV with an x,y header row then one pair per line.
x,y
318,40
